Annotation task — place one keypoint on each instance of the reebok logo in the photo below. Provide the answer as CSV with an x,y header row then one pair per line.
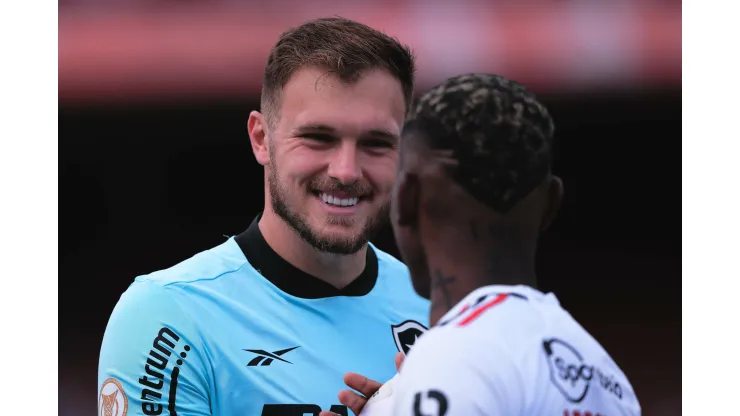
x,y
268,357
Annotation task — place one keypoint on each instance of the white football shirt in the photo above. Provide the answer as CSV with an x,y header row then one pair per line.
x,y
510,350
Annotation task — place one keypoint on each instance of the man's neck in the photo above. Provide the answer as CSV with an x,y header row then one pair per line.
x,y
337,270
452,281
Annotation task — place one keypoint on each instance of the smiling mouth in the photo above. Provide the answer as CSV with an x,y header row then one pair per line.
x,y
338,201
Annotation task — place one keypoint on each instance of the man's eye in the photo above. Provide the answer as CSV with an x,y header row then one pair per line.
x,y
379,144
324,138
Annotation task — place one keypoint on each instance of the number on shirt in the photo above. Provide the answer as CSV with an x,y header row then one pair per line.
x,y
431,395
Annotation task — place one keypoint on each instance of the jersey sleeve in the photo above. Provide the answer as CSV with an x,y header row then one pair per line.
x,y
152,360
439,378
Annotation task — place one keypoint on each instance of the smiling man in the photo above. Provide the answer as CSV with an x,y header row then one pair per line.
x,y
268,322
329,164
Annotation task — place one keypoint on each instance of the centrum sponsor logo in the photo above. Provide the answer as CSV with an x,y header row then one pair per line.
x,y
164,345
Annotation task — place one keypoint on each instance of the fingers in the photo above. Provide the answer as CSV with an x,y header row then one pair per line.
x,y
328,413
352,400
361,383
399,360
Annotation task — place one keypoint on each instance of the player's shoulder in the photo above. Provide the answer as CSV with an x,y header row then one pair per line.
x,y
172,292
502,315
208,265
519,334
498,303
494,327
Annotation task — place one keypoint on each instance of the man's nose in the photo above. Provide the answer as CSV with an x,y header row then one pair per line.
x,y
344,166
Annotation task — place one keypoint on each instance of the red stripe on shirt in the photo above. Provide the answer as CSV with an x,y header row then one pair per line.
x,y
477,312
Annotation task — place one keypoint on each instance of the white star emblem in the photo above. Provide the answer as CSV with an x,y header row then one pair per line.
x,y
408,346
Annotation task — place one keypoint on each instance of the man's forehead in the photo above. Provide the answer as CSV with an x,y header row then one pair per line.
x,y
374,102
335,118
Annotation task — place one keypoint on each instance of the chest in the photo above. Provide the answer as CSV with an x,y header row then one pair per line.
x,y
289,358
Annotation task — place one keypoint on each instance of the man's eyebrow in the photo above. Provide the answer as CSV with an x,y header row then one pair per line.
x,y
383,134
312,127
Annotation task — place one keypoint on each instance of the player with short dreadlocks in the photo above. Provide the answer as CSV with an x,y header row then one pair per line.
x,y
473,193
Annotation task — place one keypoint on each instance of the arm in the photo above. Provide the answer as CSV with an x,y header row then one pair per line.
x,y
152,360
447,374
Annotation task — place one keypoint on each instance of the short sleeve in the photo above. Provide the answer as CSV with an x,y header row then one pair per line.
x,y
443,376
152,360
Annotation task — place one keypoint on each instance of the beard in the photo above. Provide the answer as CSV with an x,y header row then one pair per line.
x,y
327,244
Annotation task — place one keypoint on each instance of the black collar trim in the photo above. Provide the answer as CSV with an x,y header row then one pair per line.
x,y
294,281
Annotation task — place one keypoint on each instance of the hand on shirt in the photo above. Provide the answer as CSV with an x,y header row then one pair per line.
x,y
362,384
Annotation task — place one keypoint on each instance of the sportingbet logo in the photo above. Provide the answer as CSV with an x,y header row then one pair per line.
x,y
572,375
266,358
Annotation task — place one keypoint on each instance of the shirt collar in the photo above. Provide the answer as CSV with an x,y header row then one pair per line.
x,y
484,293
294,281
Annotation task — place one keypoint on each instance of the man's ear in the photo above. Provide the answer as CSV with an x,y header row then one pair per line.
x,y
554,200
257,127
408,197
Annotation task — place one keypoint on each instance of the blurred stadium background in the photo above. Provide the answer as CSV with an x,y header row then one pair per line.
x,y
155,163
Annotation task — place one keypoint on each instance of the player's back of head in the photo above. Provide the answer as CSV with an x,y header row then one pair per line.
x,y
343,47
475,174
487,134
496,130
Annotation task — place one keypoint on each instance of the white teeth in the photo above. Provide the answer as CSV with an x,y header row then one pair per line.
x,y
332,200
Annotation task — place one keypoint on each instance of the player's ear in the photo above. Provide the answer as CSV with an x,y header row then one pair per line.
x,y
257,127
554,200
407,199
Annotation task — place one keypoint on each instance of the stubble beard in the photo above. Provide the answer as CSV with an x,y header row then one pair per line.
x,y
326,244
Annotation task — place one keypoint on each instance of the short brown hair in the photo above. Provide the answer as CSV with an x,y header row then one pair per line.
x,y
344,47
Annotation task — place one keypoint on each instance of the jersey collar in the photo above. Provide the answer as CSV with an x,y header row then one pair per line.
x,y
484,293
294,281
520,291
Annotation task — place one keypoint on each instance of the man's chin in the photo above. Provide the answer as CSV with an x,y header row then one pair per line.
x,y
338,243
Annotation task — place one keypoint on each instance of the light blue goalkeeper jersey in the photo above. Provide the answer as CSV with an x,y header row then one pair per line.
x,y
238,331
